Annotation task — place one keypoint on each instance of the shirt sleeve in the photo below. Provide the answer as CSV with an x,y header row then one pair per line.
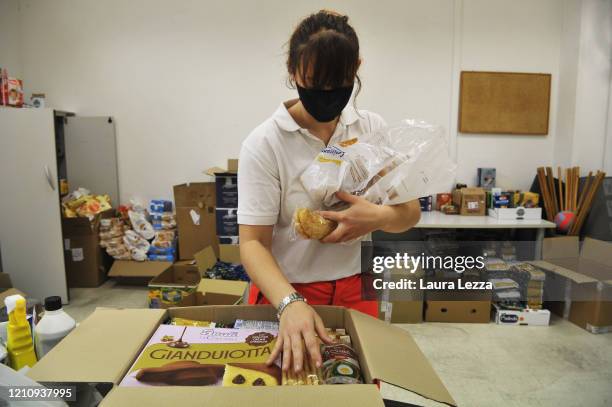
x,y
258,186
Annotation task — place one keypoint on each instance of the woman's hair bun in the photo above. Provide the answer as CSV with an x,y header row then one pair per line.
x,y
334,13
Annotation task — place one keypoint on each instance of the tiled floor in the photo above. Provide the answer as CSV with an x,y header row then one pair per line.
x,y
480,364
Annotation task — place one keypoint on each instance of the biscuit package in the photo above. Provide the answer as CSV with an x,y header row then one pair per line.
x,y
393,165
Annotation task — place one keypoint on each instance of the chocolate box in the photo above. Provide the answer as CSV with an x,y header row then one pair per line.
x,y
104,346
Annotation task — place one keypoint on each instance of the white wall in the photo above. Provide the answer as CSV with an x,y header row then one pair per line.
x,y
10,54
186,81
593,84
568,75
520,36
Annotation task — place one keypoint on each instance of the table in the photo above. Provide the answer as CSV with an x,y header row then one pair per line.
x,y
439,220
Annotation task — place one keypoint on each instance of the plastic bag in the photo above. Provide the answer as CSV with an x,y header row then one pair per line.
x,y
141,225
393,165
137,245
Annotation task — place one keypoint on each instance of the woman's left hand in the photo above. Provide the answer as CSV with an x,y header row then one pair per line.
x,y
360,219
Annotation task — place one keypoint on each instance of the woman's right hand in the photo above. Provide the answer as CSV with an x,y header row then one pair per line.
x,y
299,326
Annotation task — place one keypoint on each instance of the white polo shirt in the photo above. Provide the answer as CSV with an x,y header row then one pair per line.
x,y
271,161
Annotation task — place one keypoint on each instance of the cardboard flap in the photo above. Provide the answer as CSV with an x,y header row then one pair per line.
x,y
230,253
394,357
232,168
560,247
195,194
278,396
562,271
128,268
205,259
226,287
100,349
214,170
597,250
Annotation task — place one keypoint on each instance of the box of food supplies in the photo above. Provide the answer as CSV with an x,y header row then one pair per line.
x,y
220,365
86,263
195,217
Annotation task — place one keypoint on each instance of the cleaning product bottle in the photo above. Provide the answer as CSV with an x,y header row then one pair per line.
x,y
19,334
53,326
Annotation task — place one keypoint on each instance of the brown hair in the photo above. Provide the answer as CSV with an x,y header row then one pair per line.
x,y
326,46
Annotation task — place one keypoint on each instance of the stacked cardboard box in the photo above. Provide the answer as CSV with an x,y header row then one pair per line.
x,y
226,210
226,188
86,262
470,201
195,218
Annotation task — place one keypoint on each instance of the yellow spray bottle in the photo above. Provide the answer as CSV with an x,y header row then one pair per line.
x,y
19,334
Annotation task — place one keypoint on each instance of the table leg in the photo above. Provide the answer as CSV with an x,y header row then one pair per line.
x,y
539,242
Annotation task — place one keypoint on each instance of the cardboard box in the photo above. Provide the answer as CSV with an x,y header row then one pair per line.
x,y
519,213
226,222
170,287
579,281
469,306
195,218
226,182
230,253
218,292
471,201
401,312
426,203
137,272
92,353
182,286
403,306
86,262
531,317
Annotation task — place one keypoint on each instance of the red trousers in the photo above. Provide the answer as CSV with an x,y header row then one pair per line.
x,y
344,292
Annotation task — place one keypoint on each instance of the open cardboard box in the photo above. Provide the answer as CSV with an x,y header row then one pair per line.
x,y
137,272
170,288
181,284
579,281
104,346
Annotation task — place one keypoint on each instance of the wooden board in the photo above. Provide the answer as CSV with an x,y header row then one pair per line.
x,y
504,103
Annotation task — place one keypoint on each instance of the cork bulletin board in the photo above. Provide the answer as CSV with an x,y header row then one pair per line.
x,y
504,103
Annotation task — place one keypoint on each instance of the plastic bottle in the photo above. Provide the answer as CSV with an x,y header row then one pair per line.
x,y
53,326
19,334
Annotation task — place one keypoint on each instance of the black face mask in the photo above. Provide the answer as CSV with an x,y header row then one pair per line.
x,y
325,105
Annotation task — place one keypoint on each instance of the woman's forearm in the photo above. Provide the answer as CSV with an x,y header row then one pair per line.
x,y
264,271
400,218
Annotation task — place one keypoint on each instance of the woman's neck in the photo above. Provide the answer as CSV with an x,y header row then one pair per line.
x,y
323,131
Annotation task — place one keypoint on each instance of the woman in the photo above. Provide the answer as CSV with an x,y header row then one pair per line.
x,y
322,63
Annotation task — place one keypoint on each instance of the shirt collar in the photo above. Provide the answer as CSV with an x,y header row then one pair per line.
x,y
286,122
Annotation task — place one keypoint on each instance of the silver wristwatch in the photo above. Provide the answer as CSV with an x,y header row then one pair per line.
x,y
293,297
